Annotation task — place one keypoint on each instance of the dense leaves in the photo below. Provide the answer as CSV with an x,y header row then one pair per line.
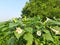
x,y
43,8
26,32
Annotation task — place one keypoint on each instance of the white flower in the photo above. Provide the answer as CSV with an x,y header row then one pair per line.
x,y
55,31
47,19
18,30
39,33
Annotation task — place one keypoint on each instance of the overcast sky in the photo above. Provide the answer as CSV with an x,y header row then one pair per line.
x,y
11,8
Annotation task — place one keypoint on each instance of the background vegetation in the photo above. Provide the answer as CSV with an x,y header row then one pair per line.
x,y
44,8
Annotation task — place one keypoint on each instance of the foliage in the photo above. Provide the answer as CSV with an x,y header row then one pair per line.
x,y
33,30
43,8
30,31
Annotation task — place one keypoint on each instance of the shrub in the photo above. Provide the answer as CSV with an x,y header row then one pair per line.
x,y
30,31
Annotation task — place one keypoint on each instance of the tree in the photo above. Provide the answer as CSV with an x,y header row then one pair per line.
x,y
43,8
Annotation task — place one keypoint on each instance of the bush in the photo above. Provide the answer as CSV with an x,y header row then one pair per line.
x,y
30,31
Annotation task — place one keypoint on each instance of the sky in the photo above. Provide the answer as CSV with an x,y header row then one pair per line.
x,y
11,8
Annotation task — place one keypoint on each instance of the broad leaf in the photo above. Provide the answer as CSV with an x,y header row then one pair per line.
x,y
19,35
29,29
47,35
29,38
11,41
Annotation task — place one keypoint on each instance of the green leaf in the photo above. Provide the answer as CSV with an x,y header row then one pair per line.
x,y
1,26
19,35
37,42
11,41
47,35
29,38
11,25
29,29
56,28
52,22
5,28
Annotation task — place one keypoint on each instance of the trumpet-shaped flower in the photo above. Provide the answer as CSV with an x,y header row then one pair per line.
x,y
18,30
47,19
55,31
39,33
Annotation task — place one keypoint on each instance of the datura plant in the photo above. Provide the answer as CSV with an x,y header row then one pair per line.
x,y
30,31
